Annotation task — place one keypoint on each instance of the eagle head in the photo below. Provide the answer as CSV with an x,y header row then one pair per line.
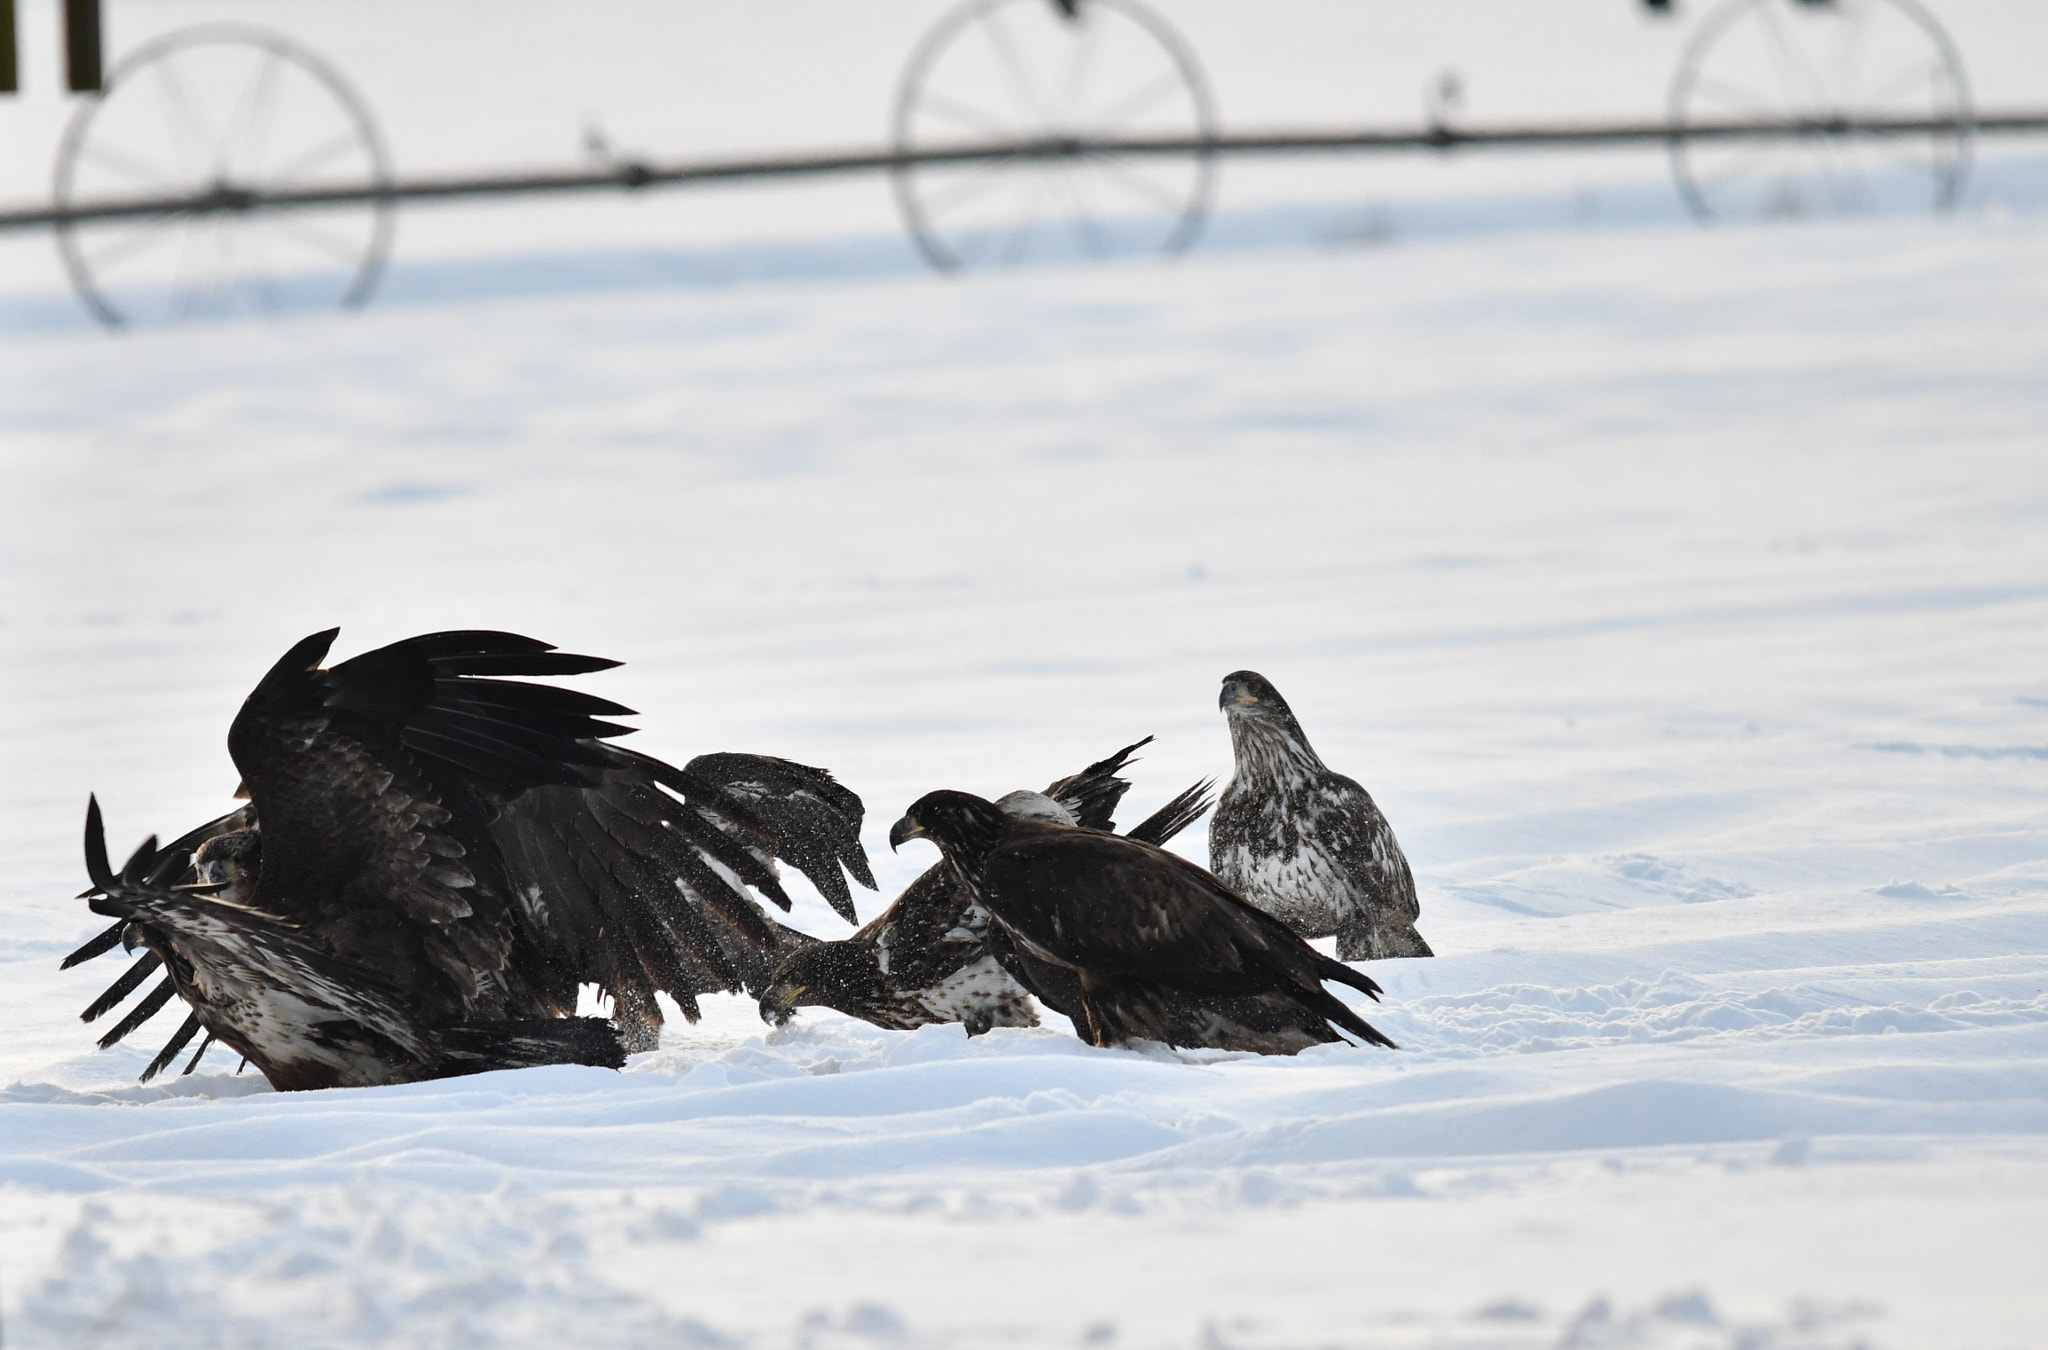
x,y
227,865
1262,727
964,826
823,975
1027,805
1246,693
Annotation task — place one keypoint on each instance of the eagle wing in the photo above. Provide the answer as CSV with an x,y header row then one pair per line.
x,y
786,810
376,783
524,850
1170,819
1092,794
304,1017
1351,829
635,890
1118,909
170,862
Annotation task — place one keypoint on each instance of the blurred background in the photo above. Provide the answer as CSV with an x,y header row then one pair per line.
x,y
466,87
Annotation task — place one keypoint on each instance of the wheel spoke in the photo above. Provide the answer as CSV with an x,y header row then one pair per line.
x,y
121,163
150,233
267,298
1849,62
1135,105
1079,66
967,189
1013,67
1021,234
312,236
1903,81
181,298
1084,221
1794,69
1741,167
256,126
960,114
1121,170
303,164
185,114
1725,92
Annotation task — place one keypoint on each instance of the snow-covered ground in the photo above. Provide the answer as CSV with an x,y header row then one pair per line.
x,y
1682,596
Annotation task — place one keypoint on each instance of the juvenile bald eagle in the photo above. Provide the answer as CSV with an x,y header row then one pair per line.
x,y
305,1017
927,957
462,851
1305,843
1145,934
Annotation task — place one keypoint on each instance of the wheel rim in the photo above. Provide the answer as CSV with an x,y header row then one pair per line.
x,y
237,109
1015,70
1845,60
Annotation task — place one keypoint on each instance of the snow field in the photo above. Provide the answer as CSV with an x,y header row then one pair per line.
x,y
1678,595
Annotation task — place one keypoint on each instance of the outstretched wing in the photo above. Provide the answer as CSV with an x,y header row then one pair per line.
x,y
377,783
109,938
147,867
777,808
638,891
521,853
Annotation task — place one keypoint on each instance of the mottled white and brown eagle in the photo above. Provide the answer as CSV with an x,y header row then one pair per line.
x,y
1303,842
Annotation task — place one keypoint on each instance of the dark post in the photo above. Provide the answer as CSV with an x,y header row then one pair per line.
x,y
82,45
10,66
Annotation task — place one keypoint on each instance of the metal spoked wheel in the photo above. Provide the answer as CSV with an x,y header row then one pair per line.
x,y
227,111
1831,61
1011,70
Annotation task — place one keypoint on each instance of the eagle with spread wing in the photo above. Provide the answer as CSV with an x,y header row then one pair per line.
x,y
928,957
437,854
1303,842
1146,938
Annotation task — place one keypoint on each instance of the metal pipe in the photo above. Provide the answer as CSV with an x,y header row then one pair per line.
x,y
634,174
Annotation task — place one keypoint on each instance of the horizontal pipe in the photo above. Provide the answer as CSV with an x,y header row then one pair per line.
x,y
639,174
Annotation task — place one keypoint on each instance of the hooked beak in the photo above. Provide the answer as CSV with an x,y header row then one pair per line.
x,y
779,1003
1235,696
903,831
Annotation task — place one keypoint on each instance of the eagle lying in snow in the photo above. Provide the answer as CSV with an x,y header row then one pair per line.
x,y
1304,843
434,858
926,958
1144,934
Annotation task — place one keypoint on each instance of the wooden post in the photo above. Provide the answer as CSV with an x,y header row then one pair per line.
x,y
82,45
10,65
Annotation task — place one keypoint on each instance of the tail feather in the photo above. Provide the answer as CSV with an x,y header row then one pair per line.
x,y
1340,973
478,1047
1170,819
1333,1008
100,945
131,980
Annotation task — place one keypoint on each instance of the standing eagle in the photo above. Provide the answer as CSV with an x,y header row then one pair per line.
x,y
1305,843
928,957
1144,934
435,857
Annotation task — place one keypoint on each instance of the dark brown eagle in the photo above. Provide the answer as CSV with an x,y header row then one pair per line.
x,y
1304,843
1145,935
926,958
435,857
